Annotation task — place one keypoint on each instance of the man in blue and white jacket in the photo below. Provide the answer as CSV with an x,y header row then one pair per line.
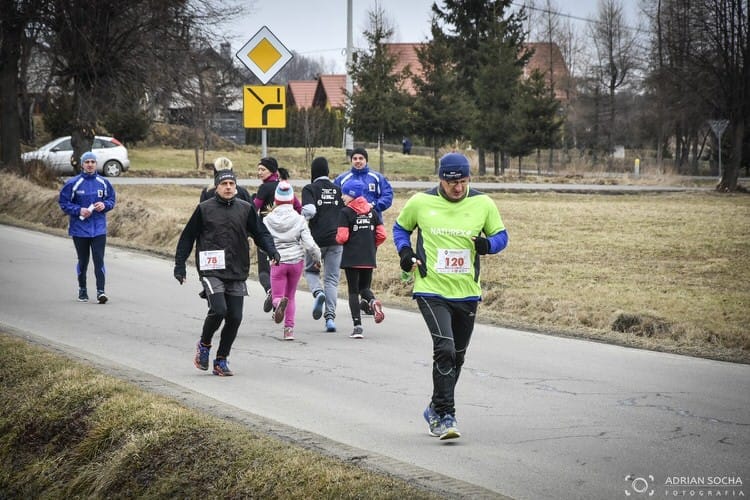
x,y
86,198
378,191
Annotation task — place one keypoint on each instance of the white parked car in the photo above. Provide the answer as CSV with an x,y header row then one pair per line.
x,y
112,156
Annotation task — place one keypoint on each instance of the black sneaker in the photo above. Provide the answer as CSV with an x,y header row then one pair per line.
x,y
268,303
83,296
364,306
101,297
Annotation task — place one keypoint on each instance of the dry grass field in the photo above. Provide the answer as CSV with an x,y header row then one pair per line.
x,y
68,430
659,271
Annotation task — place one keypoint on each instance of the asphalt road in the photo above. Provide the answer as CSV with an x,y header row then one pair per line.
x,y
542,417
482,186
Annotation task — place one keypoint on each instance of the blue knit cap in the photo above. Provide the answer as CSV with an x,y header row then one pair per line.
x,y
88,155
453,166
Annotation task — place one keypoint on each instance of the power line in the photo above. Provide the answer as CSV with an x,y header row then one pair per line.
x,y
571,16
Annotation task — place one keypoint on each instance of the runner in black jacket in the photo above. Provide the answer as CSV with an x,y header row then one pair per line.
x,y
220,227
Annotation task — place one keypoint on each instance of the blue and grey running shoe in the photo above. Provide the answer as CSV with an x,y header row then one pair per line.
x,y
433,420
450,427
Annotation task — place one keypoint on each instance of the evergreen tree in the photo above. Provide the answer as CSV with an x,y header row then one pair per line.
x,y
378,104
442,110
537,117
482,34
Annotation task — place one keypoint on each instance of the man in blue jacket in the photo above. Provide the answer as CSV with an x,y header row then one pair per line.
x,y
378,191
86,198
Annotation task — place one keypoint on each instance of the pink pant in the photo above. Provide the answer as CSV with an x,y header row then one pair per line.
x,y
284,280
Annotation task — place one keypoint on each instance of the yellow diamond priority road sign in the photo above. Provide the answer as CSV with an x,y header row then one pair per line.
x,y
264,55
264,106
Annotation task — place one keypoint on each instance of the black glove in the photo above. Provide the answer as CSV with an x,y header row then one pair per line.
x,y
482,245
180,273
407,258
276,257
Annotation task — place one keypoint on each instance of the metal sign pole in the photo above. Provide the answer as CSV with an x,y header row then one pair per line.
x,y
718,127
265,55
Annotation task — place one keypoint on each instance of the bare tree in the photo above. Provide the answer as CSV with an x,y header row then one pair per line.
x,y
98,51
18,21
723,56
615,57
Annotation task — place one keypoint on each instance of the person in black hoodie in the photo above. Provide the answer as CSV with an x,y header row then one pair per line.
x,y
219,228
321,206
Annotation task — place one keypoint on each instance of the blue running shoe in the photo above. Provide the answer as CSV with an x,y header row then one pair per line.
x,y
319,302
221,368
450,427
201,356
101,297
83,296
330,325
433,420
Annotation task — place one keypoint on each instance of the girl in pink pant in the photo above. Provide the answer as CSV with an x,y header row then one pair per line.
x,y
292,239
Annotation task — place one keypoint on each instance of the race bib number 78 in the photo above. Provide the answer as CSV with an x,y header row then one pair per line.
x,y
211,259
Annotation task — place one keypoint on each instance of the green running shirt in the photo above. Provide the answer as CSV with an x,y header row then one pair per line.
x,y
444,235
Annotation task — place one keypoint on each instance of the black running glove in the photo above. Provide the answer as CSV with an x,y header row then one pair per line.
x,y
179,273
482,245
276,257
407,258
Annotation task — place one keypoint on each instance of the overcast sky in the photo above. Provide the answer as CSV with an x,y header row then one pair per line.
x,y
317,29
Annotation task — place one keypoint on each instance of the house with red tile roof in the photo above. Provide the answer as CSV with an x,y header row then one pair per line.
x,y
406,55
330,92
547,57
300,93
330,89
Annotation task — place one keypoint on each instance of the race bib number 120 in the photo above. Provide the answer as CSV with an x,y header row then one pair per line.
x,y
211,259
453,261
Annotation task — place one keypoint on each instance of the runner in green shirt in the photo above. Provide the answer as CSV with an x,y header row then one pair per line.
x,y
455,225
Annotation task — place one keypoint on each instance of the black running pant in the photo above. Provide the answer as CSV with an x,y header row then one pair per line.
x,y
227,308
264,270
451,325
358,282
